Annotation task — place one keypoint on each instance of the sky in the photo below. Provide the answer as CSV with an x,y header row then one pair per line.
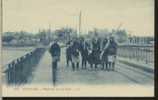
x,y
136,16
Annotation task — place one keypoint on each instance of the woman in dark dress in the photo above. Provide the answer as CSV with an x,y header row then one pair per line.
x,y
84,53
75,55
104,54
112,51
94,56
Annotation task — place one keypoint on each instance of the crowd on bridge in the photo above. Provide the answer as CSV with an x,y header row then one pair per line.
x,y
93,52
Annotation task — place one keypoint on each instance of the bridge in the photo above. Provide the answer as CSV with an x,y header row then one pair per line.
x,y
134,65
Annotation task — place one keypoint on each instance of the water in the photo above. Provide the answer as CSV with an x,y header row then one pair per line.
x,y
11,53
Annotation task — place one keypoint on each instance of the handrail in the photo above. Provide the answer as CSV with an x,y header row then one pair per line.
x,y
143,53
19,70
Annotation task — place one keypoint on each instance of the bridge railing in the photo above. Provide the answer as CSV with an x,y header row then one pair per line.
x,y
144,53
19,70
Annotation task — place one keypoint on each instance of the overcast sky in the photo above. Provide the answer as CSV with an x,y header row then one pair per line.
x,y
137,16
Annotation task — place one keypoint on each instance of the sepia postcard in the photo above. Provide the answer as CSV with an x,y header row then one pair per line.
x,y
77,48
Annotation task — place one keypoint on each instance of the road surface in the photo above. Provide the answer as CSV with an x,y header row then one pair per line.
x,y
123,74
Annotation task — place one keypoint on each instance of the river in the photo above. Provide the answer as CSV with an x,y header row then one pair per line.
x,y
11,53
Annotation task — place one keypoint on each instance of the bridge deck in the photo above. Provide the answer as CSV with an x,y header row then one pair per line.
x,y
123,74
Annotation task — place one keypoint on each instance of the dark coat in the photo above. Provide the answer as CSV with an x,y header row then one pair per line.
x,y
69,52
94,56
96,46
75,49
105,54
55,50
112,48
84,50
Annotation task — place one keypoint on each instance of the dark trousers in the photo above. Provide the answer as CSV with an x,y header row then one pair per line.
x,y
75,66
67,61
54,70
84,63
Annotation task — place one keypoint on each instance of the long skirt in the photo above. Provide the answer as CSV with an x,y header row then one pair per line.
x,y
104,58
94,58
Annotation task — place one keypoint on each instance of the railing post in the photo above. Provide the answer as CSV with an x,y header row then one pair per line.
x,y
19,70
9,74
137,52
147,55
13,72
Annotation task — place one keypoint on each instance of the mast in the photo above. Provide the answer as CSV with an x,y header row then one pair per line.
x,y
80,15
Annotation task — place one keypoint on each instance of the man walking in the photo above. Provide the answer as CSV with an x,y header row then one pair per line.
x,y
55,53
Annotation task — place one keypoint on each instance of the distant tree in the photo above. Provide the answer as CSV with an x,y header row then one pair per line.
x,y
100,33
65,33
7,38
121,35
22,35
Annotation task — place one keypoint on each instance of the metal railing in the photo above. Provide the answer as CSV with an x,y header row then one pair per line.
x,y
144,53
19,70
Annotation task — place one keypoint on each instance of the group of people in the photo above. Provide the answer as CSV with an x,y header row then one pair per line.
x,y
93,52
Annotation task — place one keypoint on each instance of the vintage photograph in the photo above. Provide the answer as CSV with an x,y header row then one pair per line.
x,y
77,48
